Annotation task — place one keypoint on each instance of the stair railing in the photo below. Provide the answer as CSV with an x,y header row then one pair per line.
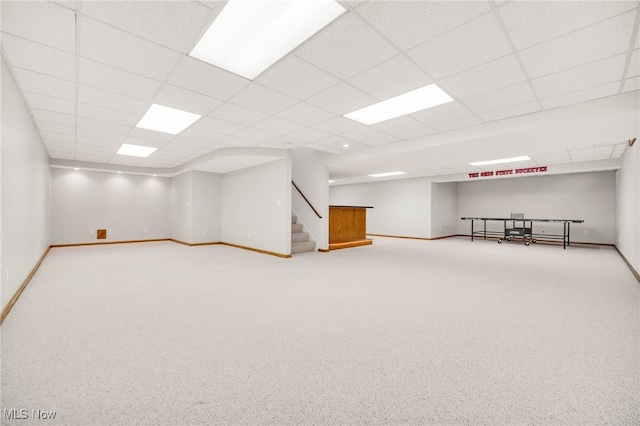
x,y
305,199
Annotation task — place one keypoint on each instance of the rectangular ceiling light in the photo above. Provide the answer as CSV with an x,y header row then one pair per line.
x,y
504,160
387,174
248,37
407,103
167,120
136,150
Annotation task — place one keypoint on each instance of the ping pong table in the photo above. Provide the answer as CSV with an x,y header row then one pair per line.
x,y
517,226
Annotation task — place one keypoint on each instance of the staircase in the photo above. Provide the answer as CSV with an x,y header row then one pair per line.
x,y
300,240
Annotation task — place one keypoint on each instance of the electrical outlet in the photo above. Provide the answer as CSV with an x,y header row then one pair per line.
x,y
204,232
585,233
110,231
249,235
91,231
145,230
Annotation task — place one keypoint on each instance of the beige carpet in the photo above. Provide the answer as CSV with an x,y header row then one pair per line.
x,y
443,332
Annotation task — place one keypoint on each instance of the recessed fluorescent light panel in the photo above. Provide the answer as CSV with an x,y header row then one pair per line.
x,y
249,36
407,103
166,120
504,160
136,150
387,174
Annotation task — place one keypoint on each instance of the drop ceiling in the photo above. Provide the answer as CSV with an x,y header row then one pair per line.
x,y
521,73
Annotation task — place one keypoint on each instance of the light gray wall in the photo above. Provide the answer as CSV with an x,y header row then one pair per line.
x,y
195,207
124,204
310,174
444,209
400,207
181,201
24,179
206,211
628,206
588,196
256,207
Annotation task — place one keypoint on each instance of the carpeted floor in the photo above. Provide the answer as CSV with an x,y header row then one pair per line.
x,y
443,332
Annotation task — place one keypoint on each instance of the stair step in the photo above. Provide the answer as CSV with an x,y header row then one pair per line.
x,y
294,219
298,237
296,227
302,247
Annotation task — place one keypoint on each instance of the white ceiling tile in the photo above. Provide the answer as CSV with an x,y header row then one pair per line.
x,y
581,47
202,134
323,148
512,111
59,137
391,78
501,98
174,24
353,146
416,133
581,95
284,142
338,125
53,117
102,126
310,134
194,143
40,21
56,128
98,144
201,77
631,84
255,134
102,149
263,99
45,84
150,135
544,156
115,80
185,100
94,134
346,48
364,134
294,77
529,23
475,43
93,157
277,125
110,100
61,145
494,75
593,74
398,125
590,153
136,140
36,100
634,64
332,140
457,124
61,155
218,126
178,146
125,160
305,114
234,141
105,114
419,20
384,140
237,114
35,57
442,113
109,45
342,99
